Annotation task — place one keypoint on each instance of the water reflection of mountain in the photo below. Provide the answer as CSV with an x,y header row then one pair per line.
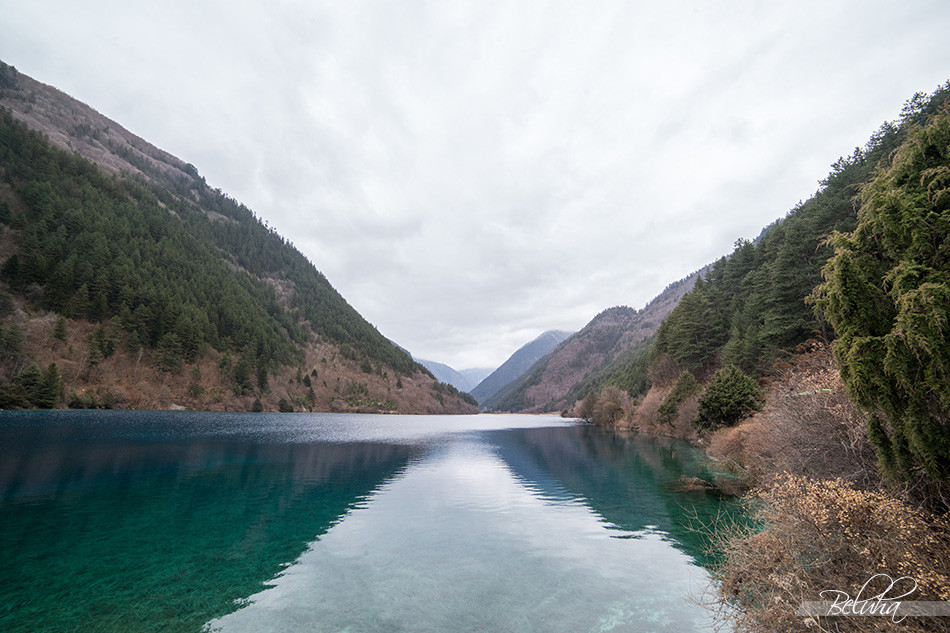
x,y
171,530
627,478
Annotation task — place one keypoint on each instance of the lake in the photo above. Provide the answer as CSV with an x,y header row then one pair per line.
x,y
180,521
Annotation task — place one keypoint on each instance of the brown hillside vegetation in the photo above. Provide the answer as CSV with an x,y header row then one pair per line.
x,y
133,380
577,356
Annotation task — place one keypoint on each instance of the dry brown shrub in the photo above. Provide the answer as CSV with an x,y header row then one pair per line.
x,y
644,417
611,407
808,427
728,445
684,426
826,535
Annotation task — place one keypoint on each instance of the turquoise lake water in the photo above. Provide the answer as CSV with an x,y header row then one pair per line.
x,y
178,521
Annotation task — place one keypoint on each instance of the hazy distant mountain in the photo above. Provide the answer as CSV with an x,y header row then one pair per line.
x,y
444,373
475,376
518,363
142,286
463,380
551,383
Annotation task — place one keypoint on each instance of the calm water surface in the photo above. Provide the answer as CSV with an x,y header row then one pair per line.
x,y
155,521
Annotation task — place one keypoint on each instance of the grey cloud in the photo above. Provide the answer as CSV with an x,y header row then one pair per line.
x,y
470,175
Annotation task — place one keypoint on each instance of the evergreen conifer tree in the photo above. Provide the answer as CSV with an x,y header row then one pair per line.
x,y
886,291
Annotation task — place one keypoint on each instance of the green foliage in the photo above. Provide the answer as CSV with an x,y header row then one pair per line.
x,y
59,331
441,388
684,387
92,400
6,305
886,292
101,345
241,376
730,396
588,406
50,389
169,354
284,407
262,383
33,388
468,398
12,340
629,371
358,396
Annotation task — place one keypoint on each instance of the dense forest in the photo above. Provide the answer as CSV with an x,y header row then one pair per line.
x,y
886,292
159,261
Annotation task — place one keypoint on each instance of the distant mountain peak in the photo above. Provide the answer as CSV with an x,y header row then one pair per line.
x,y
518,363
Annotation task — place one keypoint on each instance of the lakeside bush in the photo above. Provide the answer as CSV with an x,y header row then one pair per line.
x,y
607,407
730,396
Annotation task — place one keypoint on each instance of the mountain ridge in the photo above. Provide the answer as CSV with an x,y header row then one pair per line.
x,y
444,373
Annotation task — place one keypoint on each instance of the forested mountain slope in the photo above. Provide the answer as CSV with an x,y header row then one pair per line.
x,y
747,309
128,271
751,307
753,313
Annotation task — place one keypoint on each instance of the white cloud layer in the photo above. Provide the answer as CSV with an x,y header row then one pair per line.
x,y
470,174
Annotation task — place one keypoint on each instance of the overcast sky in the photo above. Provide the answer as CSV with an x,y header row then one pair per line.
x,y
471,174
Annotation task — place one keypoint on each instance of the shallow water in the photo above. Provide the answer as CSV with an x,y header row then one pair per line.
x,y
155,521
